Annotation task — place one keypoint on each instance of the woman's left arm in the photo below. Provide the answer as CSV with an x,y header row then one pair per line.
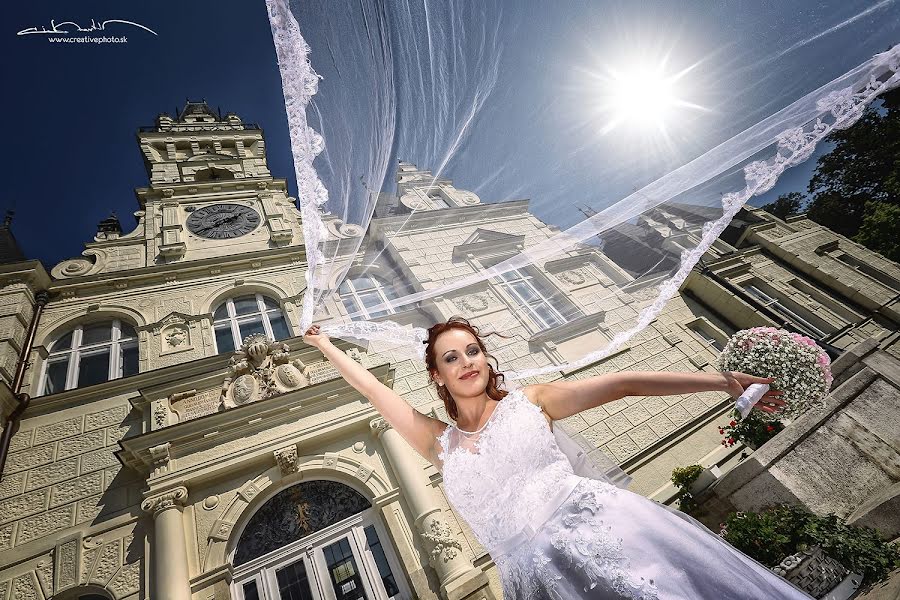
x,y
561,399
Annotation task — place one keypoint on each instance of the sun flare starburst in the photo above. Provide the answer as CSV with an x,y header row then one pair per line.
x,y
641,96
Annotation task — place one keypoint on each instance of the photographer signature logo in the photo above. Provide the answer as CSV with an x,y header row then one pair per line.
x,y
67,25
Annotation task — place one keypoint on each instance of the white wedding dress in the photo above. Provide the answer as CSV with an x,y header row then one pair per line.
x,y
554,534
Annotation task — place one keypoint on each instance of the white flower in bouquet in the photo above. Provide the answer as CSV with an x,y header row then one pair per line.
x,y
801,368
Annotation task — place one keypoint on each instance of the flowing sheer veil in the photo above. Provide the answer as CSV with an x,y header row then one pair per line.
x,y
559,226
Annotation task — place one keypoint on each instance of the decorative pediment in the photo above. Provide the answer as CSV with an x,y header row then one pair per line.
x,y
483,240
174,332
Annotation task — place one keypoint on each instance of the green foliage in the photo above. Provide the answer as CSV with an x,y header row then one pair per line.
x,y
782,530
785,205
683,477
880,230
753,430
857,184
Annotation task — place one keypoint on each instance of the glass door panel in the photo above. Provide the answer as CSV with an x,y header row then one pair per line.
x,y
293,583
342,568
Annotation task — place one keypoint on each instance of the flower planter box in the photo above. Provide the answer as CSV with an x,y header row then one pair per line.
x,y
706,479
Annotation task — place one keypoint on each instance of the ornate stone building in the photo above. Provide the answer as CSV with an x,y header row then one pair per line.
x,y
174,438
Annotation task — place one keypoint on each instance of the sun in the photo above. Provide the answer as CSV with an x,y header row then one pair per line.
x,y
641,96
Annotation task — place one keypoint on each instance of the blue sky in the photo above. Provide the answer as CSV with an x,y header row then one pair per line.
x,y
74,109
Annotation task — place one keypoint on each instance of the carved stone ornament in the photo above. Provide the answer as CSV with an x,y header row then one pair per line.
x,y
340,230
161,458
441,537
170,499
260,369
287,460
473,303
378,426
573,277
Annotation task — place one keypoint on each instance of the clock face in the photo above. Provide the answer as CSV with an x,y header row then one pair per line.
x,y
223,221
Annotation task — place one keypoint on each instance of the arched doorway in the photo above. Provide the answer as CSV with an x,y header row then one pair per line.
x,y
316,540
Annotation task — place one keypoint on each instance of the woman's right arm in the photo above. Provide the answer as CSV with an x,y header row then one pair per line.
x,y
420,431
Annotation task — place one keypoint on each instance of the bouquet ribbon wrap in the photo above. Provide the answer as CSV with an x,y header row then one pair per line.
x,y
750,397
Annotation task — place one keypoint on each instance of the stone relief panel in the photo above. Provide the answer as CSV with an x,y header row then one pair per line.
x,y
111,560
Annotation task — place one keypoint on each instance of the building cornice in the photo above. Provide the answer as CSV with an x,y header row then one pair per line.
x,y
30,271
244,422
186,270
451,216
178,375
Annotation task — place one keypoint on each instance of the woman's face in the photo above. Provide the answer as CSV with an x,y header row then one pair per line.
x,y
461,365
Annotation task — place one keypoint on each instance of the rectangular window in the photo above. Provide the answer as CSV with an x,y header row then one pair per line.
x,y
93,368
780,306
345,576
224,338
877,275
56,375
438,200
279,326
824,299
293,583
544,306
254,325
129,360
384,570
251,592
702,333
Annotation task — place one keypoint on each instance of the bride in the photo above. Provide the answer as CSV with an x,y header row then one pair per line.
x,y
552,533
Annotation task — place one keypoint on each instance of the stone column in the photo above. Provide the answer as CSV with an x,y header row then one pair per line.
x,y
171,579
458,576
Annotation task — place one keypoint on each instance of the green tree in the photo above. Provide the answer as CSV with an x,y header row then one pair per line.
x,y
785,205
863,167
880,229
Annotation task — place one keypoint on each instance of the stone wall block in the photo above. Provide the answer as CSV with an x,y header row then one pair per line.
x,y
12,485
106,418
99,459
92,440
58,430
24,505
46,524
29,459
52,473
76,489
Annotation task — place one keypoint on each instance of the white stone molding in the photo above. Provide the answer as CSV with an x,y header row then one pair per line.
x,y
161,502
161,458
378,426
286,458
256,492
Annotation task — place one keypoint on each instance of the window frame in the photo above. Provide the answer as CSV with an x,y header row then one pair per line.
x,y
73,355
235,320
779,306
379,287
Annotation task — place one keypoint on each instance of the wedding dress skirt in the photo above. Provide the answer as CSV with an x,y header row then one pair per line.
x,y
556,535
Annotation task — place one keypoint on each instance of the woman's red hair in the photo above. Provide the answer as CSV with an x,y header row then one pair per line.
x,y
495,378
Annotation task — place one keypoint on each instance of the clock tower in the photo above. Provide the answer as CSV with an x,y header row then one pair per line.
x,y
211,193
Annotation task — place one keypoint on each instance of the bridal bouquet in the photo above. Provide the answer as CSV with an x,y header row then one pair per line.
x,y
801,368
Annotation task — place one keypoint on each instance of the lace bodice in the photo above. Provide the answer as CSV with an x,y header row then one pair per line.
x,y
498,476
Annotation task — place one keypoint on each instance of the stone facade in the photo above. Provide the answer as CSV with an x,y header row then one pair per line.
x,y
844,459
141,486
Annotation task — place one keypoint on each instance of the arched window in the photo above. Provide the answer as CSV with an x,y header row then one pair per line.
x,y
316,539
236,318
91,353
365,292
